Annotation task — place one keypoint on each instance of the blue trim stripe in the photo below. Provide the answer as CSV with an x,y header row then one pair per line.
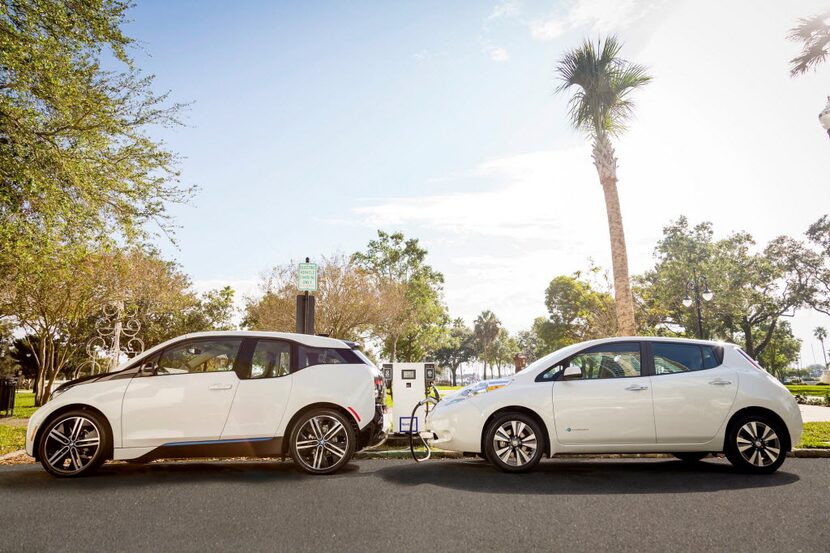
x,y
216,442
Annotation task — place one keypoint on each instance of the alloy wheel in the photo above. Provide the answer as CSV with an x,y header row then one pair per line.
x,y
758,444
72,444
515,443
322,442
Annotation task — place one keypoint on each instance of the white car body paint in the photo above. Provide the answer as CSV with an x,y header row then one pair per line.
x,y
145,412
671,413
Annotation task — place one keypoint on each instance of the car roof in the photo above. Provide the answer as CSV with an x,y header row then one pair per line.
x,y
654,339
305,339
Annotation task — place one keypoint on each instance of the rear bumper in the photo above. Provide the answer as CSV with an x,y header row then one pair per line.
x,y
373,433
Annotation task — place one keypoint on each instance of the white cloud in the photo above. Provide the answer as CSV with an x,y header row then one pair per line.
x,y
547,29
507,8
497,54
599,15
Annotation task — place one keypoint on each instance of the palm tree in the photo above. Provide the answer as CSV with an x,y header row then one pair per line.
x,y
814,35
486,329
821,333
600,107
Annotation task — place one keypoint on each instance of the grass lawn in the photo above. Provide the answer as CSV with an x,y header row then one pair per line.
x,y
808,390
24,405
816,434
12,438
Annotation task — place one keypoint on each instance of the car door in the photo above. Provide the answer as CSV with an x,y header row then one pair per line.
x,y
186,397
610,403
264,390
693,391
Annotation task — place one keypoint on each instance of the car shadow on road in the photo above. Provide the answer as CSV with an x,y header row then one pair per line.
x,y
576,477
113,475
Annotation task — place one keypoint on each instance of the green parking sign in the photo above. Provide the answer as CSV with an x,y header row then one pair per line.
x,y
307,277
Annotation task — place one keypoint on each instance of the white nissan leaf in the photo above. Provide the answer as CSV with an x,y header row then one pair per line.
x,y
217,394
689,398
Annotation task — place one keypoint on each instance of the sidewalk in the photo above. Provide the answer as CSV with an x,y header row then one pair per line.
x,y
815,413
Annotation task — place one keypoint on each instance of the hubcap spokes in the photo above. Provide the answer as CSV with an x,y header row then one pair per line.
x,y
322,442
72,444
515,443
758,444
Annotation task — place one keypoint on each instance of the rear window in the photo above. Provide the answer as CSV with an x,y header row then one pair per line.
x,y
672,358
308,356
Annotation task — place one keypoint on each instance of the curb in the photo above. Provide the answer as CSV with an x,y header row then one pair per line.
x,y
405,454
13,454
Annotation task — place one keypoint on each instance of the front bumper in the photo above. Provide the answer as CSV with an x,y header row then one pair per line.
x,y
455,427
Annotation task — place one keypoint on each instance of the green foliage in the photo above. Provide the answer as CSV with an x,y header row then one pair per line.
x,y
77,163
781,351
458,347
752,289
414,317
604,82
486,330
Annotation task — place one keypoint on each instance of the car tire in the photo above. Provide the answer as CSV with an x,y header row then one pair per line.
x,y
755,444
322,441
74,443
514,442
691,456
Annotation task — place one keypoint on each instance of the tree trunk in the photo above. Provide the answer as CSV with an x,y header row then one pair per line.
x,y
453,370
606,165
394,349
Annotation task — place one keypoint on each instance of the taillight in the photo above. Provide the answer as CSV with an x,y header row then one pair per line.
x,y
379,389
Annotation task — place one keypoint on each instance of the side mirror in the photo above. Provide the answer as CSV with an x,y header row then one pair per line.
x,y
572,373
148,369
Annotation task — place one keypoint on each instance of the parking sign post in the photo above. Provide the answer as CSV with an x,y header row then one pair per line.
x,y
306,282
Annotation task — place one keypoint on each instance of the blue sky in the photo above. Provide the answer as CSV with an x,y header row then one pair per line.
x,y
313,124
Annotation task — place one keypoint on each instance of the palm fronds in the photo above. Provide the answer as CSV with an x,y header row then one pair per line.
x,y
814,34
604,82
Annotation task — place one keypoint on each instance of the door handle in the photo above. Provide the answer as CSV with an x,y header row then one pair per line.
x,y
720,382
221,387
636,388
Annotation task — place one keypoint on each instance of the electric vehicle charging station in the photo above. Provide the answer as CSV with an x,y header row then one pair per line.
x,y
410,383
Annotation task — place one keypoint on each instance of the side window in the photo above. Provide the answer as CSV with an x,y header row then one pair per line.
x,y
309,356
672,358
614,360
200,356
271,358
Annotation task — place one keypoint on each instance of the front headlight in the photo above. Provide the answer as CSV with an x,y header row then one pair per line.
x,y
58,391
477,389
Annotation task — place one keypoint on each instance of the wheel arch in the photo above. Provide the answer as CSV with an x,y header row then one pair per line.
x,y
289,428
73,407
525,411
761,411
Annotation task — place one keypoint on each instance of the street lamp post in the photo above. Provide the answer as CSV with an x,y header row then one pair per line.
x,y
694,286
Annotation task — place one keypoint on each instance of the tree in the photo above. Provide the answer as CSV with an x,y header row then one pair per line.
x,y
821,333
413,316
486,330
814,35
782,350
600,107
458,348
753,289
504,349
577,310
77,163
347,302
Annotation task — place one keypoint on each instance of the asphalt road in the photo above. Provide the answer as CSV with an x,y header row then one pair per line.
x,y
566,505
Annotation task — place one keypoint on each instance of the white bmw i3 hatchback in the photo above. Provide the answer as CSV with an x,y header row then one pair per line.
x,y
689,398
217,394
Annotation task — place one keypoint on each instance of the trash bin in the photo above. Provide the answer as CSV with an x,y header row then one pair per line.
x,y
8,389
